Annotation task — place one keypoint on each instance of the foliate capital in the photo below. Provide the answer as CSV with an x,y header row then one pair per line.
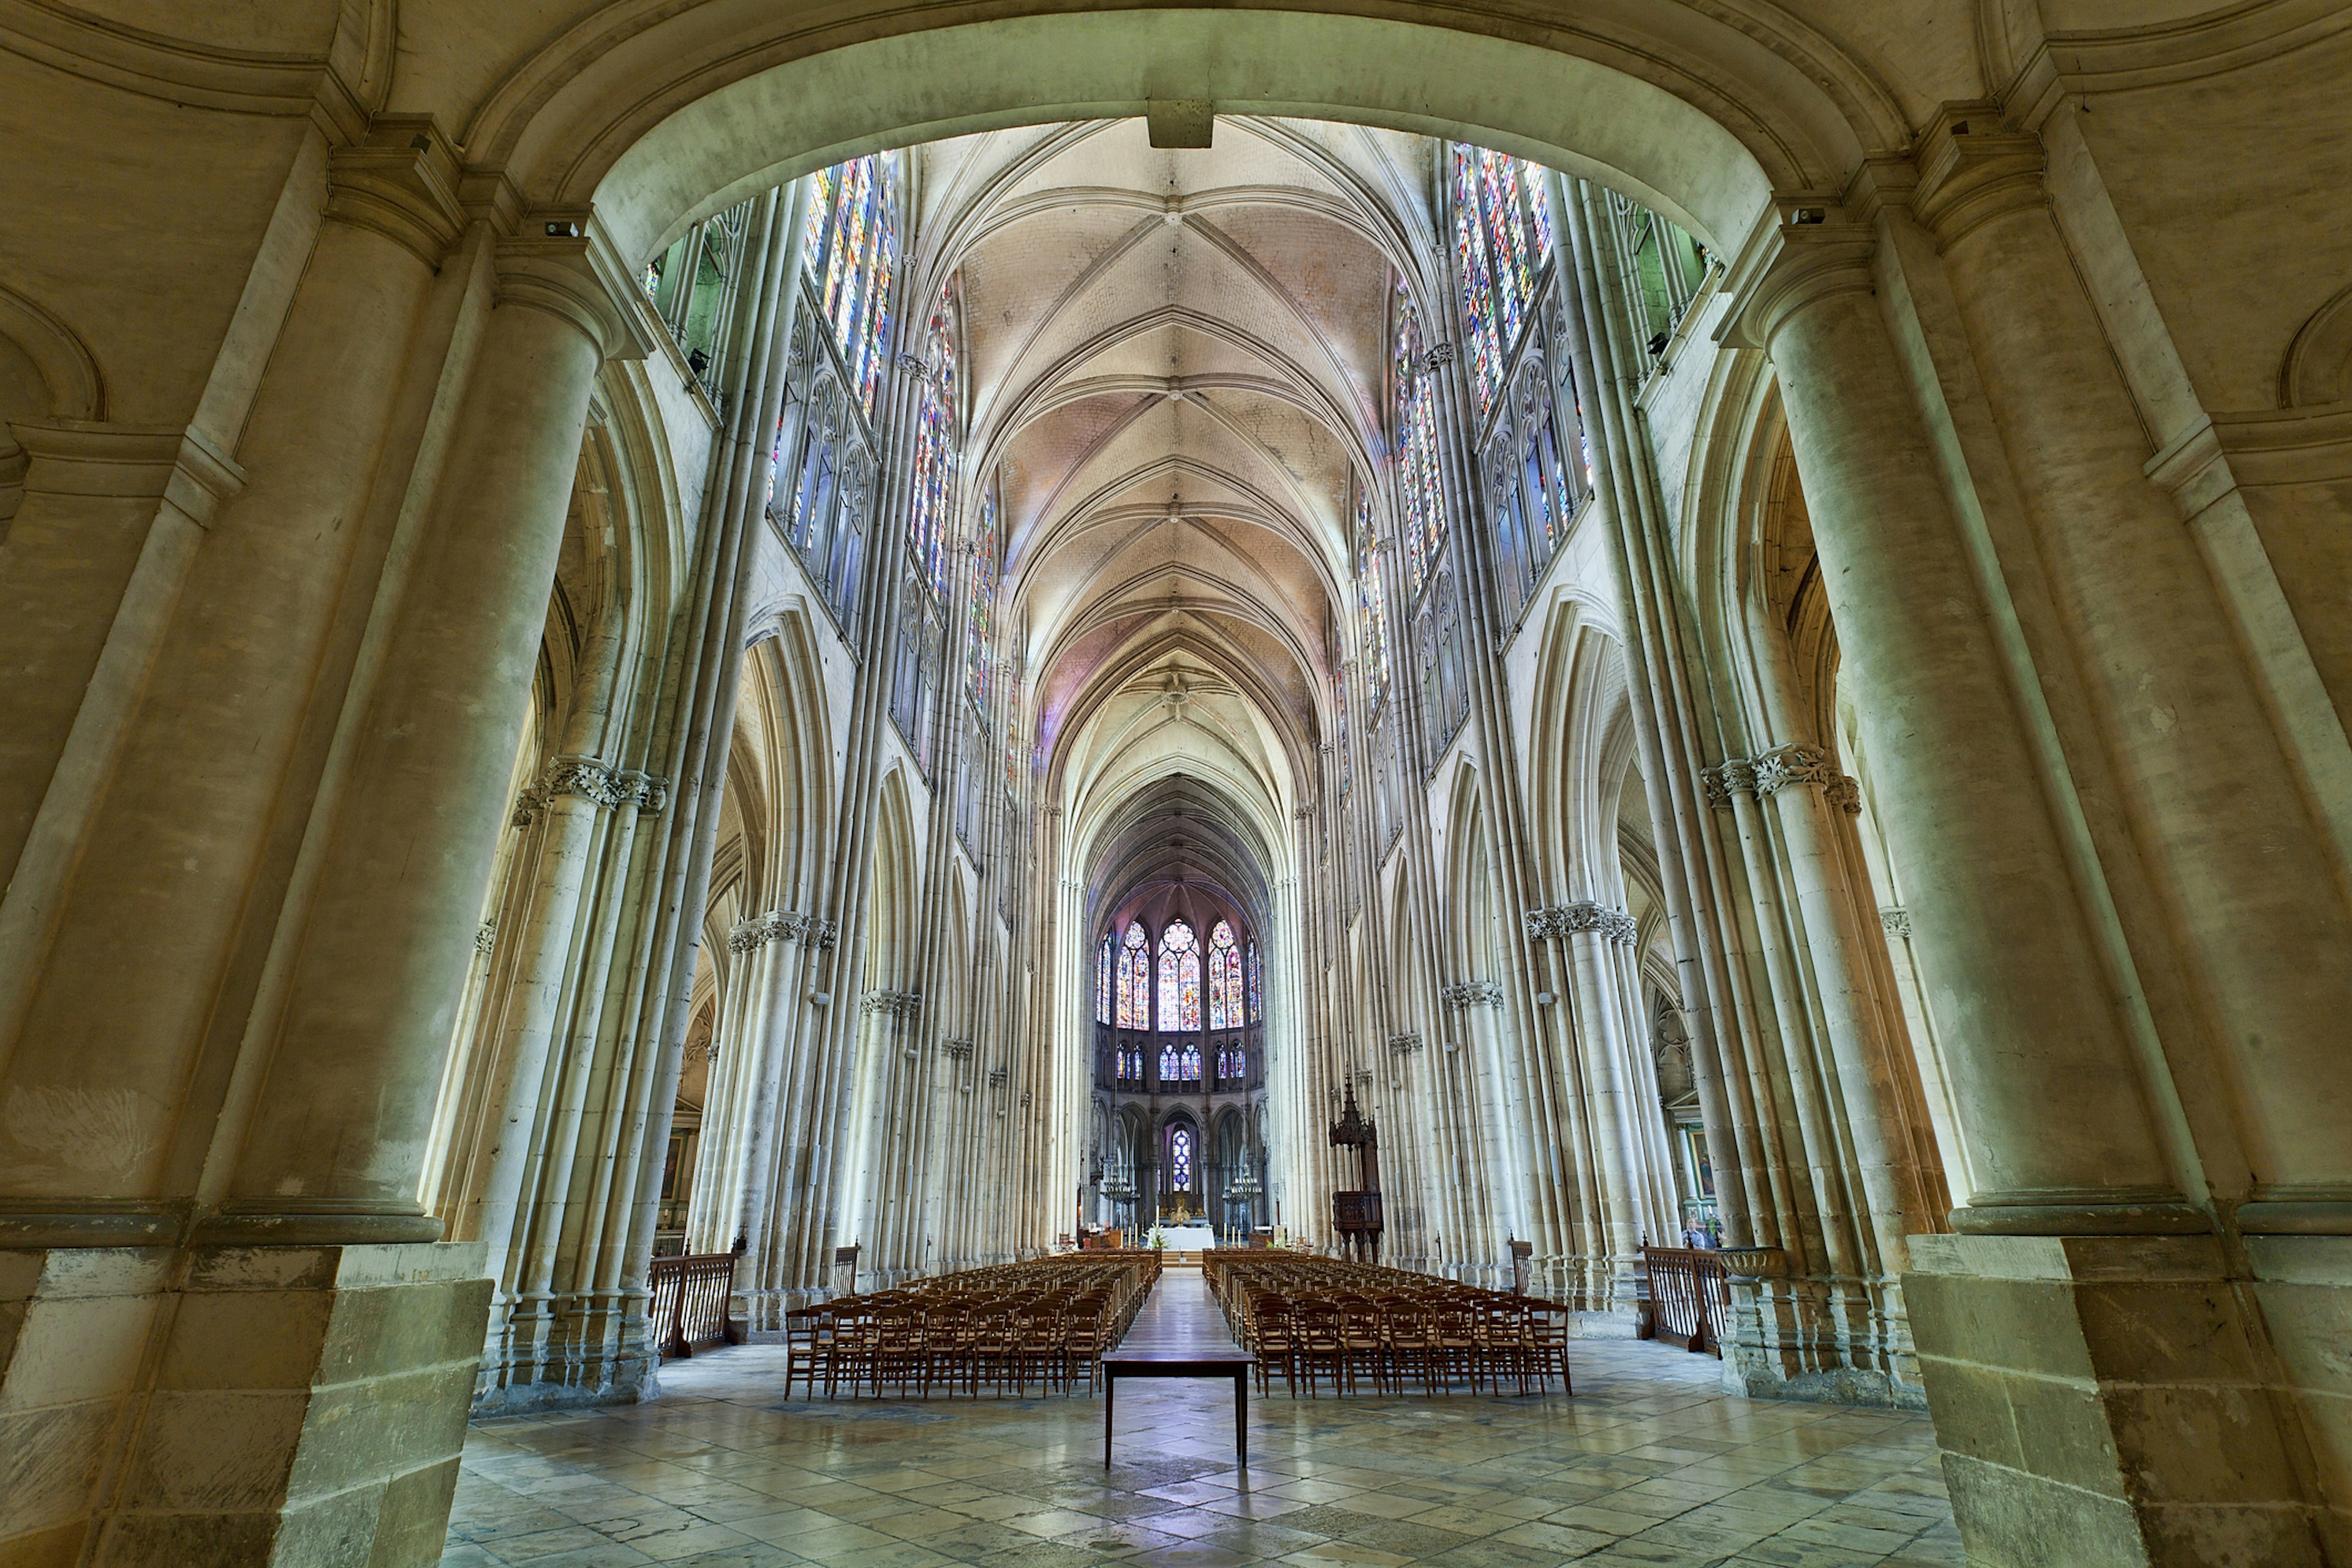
x,y
898,1004
595,782
1732,777
1896,922
1472,994
1782,766
1404,1045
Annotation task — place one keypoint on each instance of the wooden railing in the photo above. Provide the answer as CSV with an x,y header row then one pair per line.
x,y
1690,1301
689,1301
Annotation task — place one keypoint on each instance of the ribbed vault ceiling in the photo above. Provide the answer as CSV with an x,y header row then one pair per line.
x,y
1176,362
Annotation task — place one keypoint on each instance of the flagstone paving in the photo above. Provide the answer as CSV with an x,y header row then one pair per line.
x,y
1650,1463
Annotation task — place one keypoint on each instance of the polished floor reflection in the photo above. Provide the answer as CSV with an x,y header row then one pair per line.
x,y
1649,1464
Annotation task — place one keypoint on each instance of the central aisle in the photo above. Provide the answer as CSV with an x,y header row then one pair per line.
x,y
1180,1315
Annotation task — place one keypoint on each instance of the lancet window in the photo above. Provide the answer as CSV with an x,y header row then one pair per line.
x,y
1135,978
1103,981
853,255
1180,1160
1225,1001
1180,979
1372,606
979,617
931,496
1502,237
1257,984
1421,493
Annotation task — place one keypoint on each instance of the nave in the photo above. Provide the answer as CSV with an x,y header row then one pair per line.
x,y
674,670
1651,1463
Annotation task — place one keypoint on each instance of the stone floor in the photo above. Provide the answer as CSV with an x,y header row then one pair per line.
x,y
1650,1463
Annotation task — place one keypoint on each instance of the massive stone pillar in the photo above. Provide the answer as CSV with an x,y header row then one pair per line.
x,y
2053,1330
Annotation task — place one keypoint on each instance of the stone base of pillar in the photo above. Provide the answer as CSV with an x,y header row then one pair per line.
x,y
599,1351
289,1405
1833,1341
2100,1399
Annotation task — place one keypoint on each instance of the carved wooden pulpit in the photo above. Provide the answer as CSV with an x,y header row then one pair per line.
x,y
1355,1214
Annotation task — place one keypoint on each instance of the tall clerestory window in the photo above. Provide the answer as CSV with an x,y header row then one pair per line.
x,y
853,253
822,467
1502,237
1180,979
930,508
1135,978
980,619
1225,999
1103,982
1257,984
1503,249
1372,607
1421,493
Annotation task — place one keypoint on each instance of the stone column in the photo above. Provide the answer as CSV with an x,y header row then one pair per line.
x,y
339,1124
2014,972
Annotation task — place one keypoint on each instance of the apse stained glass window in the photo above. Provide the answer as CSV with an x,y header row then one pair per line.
x,y
1180,1160
1256,985
1502,233
1134,978
1103,982
931,498
1225,979
853,253
1421,495
1188,1065
1372,606
1179,978
1130,1068
979,617
1233,1064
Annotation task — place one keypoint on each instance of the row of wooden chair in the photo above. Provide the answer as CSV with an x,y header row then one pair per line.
x,y
1319,1321
1046,1321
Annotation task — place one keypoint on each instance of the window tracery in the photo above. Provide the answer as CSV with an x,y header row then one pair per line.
x,y
1372,606
1134,978
1225,979
1180,1160
852,252
1420,494
1501,235
1179,980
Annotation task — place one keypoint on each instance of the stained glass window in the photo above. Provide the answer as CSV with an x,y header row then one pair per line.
x,y
853,254
1420,494
1502,233
1180,1160
931,498
1256,987
1372,607
1134,978
1188,1069
1233,1064
1103,982
1339,707
1130,1068
1225,979
979,621
1180,979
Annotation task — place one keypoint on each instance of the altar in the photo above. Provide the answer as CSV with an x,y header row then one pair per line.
x,y
1189,1237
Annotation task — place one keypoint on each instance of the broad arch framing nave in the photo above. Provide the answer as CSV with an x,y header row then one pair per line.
x,y
740,745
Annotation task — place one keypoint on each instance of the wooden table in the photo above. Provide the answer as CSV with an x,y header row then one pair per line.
x,y
1179,1332
1172,1362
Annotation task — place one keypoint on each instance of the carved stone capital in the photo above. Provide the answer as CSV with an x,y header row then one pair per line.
x,y
528,805
1783,767
1732,777
1973,169
1404,1045
1581,915
1472,994
1896,922
400,182
595,782
1438,354
648,791
1844,793
486,937
959,1050
898,1004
